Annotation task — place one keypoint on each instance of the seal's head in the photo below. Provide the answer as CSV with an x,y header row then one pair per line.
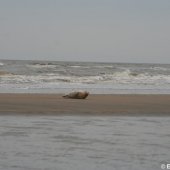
x,y
82,95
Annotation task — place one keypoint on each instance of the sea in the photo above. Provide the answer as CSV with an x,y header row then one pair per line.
x,y
84,143
97,78
36,142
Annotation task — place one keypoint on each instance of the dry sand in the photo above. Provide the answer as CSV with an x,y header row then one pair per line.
x,y
55,104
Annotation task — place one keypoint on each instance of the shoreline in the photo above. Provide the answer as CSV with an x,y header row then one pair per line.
x,y
95,104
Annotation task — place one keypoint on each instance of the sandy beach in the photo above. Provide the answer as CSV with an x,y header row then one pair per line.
x,y
55,104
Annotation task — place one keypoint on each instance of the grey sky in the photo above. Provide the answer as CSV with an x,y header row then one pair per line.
x,y
86,30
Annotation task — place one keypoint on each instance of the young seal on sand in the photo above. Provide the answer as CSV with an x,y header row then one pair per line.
x,y
77,95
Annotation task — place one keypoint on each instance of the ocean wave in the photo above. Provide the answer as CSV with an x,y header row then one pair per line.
x,y
125,77
137,78
104,66
78,66
160,68
55,75
41,65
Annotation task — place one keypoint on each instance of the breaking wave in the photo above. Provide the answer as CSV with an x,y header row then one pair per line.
x,y
67,75
124,77
42,65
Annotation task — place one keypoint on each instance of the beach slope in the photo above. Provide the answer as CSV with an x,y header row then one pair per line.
x,y
55,104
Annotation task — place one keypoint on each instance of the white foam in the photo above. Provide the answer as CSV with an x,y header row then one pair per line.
x,y
1,64
103,66
119,77
76,66
41,66
160,68
122,79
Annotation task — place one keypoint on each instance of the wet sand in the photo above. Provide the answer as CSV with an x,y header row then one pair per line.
x,y
55,104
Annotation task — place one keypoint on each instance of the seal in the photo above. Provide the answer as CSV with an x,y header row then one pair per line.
x,y
77,95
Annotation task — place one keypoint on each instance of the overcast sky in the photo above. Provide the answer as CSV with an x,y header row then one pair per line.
x,y
86,30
